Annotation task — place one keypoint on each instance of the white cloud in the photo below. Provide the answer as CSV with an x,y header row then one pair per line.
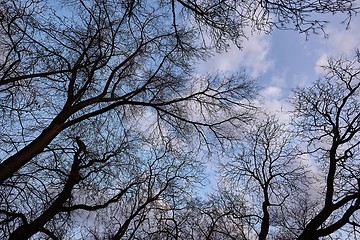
x,y
322,61
253,56
273,95
271,92
341,42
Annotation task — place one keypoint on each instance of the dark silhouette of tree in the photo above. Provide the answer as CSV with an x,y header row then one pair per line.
x,y
102,114
290,200
328,117
212,218
282,197
267,167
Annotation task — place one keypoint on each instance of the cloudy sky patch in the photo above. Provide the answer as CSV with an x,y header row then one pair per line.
x,y
253,56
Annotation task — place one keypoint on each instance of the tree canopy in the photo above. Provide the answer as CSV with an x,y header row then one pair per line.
x,y
105,119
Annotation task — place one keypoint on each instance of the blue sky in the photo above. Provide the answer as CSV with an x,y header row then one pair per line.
x,y
283,59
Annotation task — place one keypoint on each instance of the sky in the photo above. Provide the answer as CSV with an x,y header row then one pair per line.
x,y
283,60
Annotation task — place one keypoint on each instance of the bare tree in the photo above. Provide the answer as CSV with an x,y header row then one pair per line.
x,y
216,217
109,61
104,196
268,169
286,199
327,115
97,98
